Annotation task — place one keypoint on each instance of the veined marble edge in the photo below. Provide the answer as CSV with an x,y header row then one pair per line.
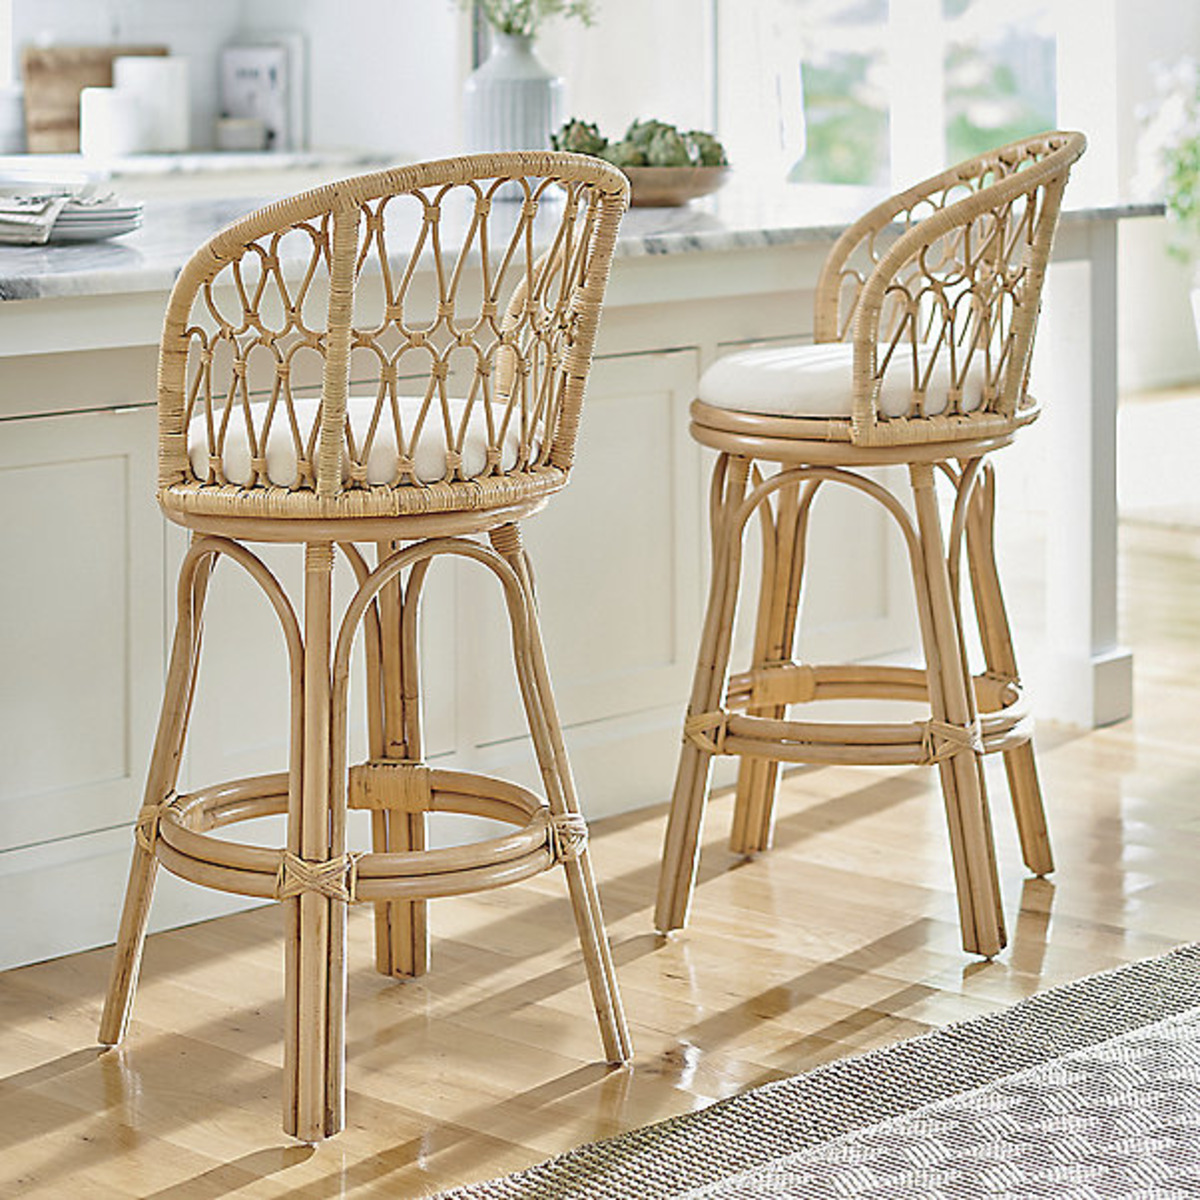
x,y
157,269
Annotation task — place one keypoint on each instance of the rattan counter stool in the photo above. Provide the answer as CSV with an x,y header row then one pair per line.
x,y
924,325
462,297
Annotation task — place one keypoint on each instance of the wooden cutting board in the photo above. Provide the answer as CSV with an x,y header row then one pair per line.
x,y
53,77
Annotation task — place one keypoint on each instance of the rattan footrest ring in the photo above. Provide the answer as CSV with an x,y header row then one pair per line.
x,y
1003,722
541,840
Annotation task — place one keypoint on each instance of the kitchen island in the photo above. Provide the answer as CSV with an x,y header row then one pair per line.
x,y
87,590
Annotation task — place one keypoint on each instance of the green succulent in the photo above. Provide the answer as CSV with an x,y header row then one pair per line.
x,y
668,149
580,137
641,133
705,150
648,143
624,154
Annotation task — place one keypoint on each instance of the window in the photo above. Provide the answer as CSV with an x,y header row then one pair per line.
x,y
881,91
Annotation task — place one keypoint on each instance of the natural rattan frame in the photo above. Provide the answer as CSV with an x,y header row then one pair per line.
x,y
557,292
1013,196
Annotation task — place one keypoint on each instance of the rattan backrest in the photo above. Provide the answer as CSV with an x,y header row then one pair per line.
x,y
945,280
472,286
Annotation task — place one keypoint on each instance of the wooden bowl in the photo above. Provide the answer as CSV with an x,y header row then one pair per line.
x,y
668,186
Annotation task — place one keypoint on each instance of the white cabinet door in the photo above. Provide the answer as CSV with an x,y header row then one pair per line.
x,y
618,564
81,635
81,669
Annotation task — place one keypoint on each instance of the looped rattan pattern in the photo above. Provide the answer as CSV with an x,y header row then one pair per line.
x,y
459,326
944,281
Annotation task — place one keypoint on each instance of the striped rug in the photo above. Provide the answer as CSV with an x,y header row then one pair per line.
x,y
1090,1090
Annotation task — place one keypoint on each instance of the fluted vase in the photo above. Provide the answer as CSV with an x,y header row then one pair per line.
x,y
511,101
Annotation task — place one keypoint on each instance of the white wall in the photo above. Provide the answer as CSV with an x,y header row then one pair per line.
x,y
641,58
383,75
1158,344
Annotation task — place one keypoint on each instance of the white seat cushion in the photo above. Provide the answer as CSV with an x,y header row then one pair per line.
x,y
429,456
815,381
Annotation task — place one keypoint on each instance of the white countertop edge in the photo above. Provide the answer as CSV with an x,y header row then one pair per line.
x,y
149,259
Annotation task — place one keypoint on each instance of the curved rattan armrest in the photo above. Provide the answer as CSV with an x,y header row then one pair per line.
x,y
1048,172
830,323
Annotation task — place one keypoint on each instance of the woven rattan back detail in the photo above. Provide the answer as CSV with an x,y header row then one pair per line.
x,y
942,283
412,340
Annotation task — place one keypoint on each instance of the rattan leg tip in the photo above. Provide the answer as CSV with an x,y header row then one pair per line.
x,y
988,953
669,917
111,1033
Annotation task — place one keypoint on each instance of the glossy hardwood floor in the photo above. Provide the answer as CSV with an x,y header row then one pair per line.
x,y
842,939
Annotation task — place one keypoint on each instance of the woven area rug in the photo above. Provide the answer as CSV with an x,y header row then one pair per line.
x,y
1089,1090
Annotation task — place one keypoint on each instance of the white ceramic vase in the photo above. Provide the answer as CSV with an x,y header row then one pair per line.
x,y
511,102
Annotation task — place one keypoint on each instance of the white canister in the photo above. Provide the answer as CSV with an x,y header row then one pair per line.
x,y
161,87
111,123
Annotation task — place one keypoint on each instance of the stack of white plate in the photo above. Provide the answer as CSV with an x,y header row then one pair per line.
x,y
94,220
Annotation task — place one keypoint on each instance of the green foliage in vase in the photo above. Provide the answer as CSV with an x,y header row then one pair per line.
x,y
524,17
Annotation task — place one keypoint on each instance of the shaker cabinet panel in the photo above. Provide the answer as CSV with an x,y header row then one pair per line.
x,y
82,636
616,558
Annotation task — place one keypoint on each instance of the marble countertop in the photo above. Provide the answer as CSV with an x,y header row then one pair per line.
x,y
742,215
190,163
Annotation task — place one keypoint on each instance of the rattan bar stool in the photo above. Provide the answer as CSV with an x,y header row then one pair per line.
x,y
462,298
924,325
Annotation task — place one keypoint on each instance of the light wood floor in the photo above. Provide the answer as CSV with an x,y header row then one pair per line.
x,y
843,938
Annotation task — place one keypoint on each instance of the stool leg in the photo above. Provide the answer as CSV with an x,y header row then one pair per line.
x,y
952,703
681,849
784,543
314,963
546,731
401,926
160,782
996,638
